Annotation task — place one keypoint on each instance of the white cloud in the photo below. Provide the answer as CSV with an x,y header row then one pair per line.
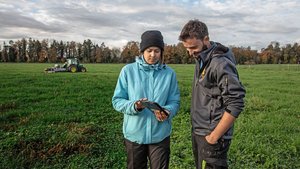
x,y
252,23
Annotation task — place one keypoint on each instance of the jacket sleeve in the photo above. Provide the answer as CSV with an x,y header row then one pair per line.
x,y
120,100
232,90
173,101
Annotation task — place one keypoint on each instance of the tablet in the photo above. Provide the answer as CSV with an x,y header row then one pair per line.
x,y
153,105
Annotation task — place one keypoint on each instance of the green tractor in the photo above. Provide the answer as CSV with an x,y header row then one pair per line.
x,y
71,65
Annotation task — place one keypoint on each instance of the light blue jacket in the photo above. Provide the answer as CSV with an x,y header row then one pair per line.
x,y
156,82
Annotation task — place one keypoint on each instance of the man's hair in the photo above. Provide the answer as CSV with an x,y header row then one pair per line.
x,y
193,29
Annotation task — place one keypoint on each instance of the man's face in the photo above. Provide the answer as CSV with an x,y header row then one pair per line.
x,y
194,46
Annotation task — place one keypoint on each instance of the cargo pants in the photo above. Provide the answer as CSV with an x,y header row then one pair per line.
x,y
210,156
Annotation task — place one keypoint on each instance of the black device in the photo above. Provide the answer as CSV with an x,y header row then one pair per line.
x,y
153,105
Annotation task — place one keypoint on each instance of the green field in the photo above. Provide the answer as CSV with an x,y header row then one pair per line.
x,y
65,120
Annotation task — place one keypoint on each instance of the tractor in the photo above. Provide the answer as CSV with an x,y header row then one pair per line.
x,y
71,65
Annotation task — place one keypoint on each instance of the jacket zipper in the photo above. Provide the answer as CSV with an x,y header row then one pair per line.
x,y
210,114
226,84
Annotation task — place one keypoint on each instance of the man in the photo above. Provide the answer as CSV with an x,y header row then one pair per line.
x,y
217,96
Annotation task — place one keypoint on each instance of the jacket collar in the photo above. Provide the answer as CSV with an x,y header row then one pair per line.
x,y
144,65
216,49
205,55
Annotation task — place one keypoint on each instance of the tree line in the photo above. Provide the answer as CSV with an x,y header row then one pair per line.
x,y
52,51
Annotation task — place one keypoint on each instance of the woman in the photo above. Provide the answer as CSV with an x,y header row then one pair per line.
x,y
147,132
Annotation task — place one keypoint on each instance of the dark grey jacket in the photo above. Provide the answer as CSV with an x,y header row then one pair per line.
x,y
216,89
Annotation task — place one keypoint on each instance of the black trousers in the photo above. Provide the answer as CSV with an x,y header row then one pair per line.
x,y
210,156
138,154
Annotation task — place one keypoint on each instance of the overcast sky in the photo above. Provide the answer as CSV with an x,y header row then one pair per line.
x,y
253,23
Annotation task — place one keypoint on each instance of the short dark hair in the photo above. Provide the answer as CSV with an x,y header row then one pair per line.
x,y
193,29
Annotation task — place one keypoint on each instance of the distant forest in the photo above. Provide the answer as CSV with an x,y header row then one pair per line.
x,y
46,51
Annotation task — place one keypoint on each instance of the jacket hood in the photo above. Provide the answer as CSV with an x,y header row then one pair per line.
x,y
144,65
216,50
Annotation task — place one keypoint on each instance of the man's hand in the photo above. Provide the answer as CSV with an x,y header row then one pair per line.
x,y
225,123
210,139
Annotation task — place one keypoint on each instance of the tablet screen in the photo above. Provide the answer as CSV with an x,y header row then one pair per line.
x,y
154,105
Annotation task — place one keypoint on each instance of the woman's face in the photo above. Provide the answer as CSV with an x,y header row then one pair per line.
x,y
152,55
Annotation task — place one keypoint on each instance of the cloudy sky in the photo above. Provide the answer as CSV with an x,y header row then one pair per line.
x,y
253,23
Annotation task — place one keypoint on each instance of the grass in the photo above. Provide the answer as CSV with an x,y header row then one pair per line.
x,y
65,120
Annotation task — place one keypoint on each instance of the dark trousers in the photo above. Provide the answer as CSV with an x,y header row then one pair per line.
x,y
210,156
158,154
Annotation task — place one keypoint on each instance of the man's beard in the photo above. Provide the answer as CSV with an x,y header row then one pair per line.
x,y
197,56
204,48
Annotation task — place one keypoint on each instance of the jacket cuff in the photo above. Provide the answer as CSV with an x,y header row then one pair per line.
x,y
234,114
137,109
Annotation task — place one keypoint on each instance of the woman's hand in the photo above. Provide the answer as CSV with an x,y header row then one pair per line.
x,y
161,116
138,104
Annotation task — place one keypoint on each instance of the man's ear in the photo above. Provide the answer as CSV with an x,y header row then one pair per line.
x,y
206,39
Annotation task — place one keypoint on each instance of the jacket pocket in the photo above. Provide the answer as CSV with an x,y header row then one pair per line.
x,y
210,150
226,85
